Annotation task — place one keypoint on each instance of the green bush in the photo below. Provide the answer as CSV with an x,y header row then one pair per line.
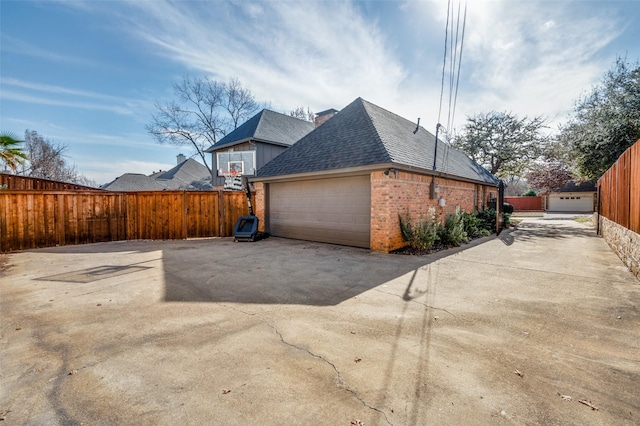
x,y
421,236
473,225
507,208
487,219
530,193
453,233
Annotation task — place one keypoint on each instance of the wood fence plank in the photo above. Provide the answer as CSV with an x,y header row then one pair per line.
x,y
634,198
40,218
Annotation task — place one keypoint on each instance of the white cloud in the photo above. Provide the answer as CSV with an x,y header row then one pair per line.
x,y
321,54
533,58
68,97
17,46
527,57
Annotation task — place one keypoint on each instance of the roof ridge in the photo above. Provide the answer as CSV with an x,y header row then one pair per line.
x,y
375,129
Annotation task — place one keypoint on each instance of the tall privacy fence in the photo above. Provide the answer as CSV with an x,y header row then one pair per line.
x,y
30,218
619,190
619,207
8,181
523,204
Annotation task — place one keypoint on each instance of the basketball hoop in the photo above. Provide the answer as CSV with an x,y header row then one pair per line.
x,y
232,180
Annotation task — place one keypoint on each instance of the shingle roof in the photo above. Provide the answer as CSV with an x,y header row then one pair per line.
x,y
187,175
364,134
266,126
572,186
133,182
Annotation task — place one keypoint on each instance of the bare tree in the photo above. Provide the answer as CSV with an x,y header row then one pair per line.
x,y
46,159
303,114
240,102
205,111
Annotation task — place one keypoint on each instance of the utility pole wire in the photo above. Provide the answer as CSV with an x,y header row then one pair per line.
x,y
464,24
444,61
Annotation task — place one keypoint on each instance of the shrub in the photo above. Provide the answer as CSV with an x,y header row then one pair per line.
x,y
423,235
473,225
453,233
507,208
530,193
487,219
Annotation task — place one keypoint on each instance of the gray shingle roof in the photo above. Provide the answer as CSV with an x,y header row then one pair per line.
x,y
363,134
189,175
133,182
266,126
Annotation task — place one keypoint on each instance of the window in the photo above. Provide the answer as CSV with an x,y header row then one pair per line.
x,y
236,163
577,198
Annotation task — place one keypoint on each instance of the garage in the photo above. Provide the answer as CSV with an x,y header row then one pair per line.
x,y
331,210
571,202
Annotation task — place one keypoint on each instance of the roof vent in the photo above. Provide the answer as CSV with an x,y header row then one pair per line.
x,y
181,158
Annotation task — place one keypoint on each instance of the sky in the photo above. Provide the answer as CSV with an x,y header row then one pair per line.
x,y
88,74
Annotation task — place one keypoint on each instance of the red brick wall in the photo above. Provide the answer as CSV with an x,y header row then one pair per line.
x,y
393,194
260,204
409,192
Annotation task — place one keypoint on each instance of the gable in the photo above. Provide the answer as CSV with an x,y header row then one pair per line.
x,y
267,126
363,134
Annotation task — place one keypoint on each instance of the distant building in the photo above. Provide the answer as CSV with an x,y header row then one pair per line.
x,y
188,174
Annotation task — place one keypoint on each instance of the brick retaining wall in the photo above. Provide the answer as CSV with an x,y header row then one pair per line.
x,y
624,242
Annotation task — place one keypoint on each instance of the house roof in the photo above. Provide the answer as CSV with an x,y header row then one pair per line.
x,y
266,126
571,186
363,134
189,174
133,182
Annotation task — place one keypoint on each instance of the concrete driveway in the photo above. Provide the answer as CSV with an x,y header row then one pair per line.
x,y
512,330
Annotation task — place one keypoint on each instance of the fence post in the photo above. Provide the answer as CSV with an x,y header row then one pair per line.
x,y
499,207
185,208
221,212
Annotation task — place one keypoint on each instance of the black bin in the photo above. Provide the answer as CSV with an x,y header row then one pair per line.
x,y
246,228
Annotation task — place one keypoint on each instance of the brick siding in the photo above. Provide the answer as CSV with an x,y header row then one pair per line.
x,y
392,195
405,192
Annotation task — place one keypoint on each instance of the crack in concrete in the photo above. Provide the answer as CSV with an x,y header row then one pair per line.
x,y
424,304
340,379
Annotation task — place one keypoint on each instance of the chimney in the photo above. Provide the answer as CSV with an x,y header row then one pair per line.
x,y
323,116
181,158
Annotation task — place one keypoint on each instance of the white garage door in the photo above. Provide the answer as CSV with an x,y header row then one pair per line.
x,y
571,203
335,210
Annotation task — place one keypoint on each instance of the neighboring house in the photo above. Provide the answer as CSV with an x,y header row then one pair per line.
x,y
347,181
573,198
188,174
256,142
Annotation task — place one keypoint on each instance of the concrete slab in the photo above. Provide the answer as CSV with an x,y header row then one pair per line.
x,y
282,331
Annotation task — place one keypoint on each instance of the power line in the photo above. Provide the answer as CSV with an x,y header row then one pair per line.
x,y
464,24
444,60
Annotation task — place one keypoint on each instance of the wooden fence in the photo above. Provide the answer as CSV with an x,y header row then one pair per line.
x,y
14,182
619,190
30,219
525,203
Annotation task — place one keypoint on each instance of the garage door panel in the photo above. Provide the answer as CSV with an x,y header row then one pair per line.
x,y
571,203
335,210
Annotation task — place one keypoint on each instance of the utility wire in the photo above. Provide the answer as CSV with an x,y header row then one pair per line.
x,y
455,98
444,61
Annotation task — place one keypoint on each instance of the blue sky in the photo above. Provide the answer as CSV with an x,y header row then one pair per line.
x,y
87,73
